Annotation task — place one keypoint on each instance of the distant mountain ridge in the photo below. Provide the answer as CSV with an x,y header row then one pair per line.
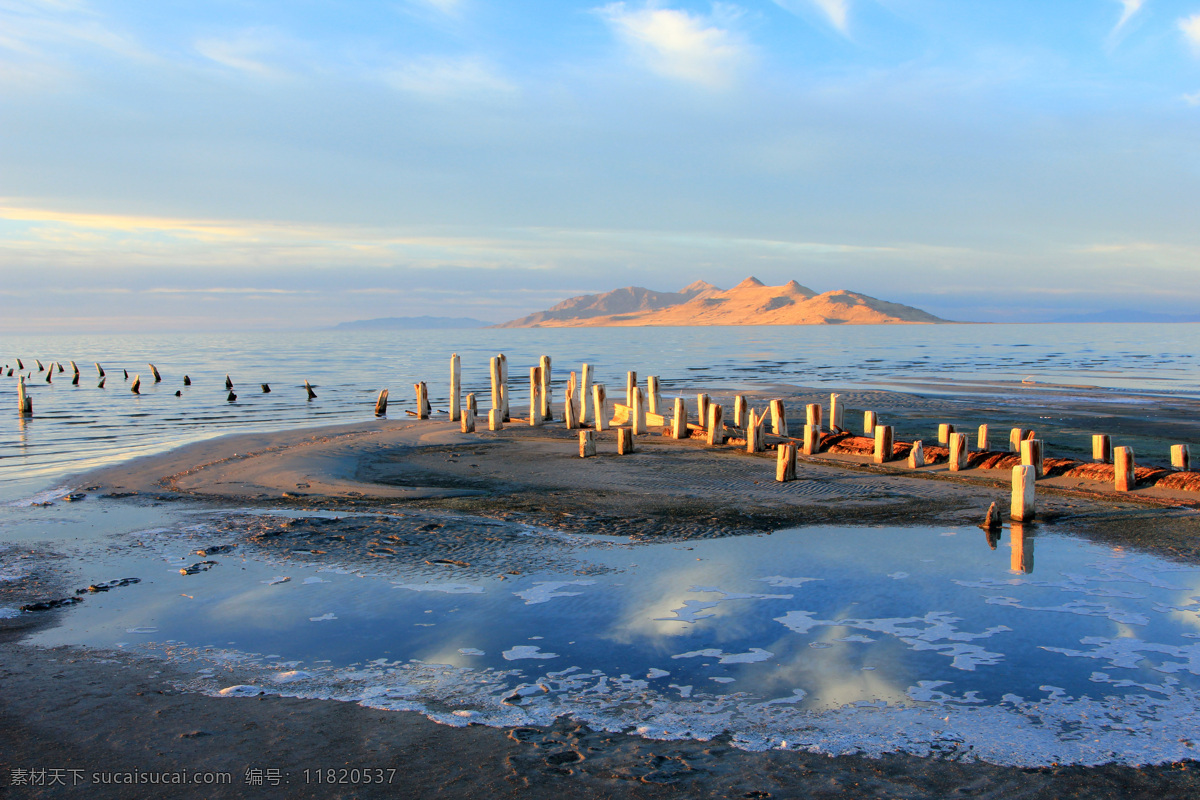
x,y
751,302
411,323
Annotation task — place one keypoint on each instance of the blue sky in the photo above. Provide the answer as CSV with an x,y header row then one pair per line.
x,y
185,165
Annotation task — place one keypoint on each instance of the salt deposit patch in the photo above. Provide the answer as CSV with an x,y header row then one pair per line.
x,y
323,618
523,651
545,591
7,612
446,588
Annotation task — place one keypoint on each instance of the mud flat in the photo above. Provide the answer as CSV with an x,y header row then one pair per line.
x,y
385,492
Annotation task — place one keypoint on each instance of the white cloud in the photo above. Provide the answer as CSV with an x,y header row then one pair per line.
x,y
444,77
450,7
1129,8
243,52
1192,99
1191,31
836,11
677,44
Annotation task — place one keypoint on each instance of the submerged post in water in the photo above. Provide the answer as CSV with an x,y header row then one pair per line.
x,y
381,403
24,401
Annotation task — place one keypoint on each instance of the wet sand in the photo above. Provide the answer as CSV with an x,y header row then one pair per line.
x,y
73,709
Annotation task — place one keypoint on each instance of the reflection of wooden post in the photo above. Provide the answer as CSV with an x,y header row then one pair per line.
x,y
778,419
981,439
423,407
546,411
1181,456
716,425
679,428
24,401
1123,462
653,395
944,431
812,440
600,406
587,444
1031,455
1101,448
455,386
467,420
869,423
739,411
1015,437
835,413
754,442
624,441
1021,560
958,452
535,396
702,404
916,455
381,404
585,393
1022,508
812,415
630,385
785,463
883,443
495,420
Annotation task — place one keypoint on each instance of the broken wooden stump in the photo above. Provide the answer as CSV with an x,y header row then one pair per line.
x,y
1015,437
381,403
653,395
136,388
981,438
958,452
1101,448
228,381
547,412
630,385
587,444
99,370
785,463
1022,507
1031,455
570,415
187,381
716,425
466,420
495,420
266,388
944,431
600,406
624,441
535,396
991,520
1126,478
702,403
637,415
812,415
812,440
883,443
494,370
778,418
585,393
313,395
754,434
679,425
869,423
154,372
422,393
836,411
740,407
24,401
1181,457
916,455
455,387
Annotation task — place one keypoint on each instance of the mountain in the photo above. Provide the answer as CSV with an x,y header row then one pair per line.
x,y
751,302
410,323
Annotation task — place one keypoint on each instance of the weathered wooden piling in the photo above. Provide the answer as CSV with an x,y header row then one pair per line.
x,y
1015,437
587,444
228,382
422,393
679,425
944,431
778,418
630,385
456,387
40,368
187,381
59,365
570,415
126,373
1123,465
653,395
99,370
313,395
811,440
381,403
466,420
585,394
535,396
136,388
494,370
702,404
1181,456
1023,504
869,423
24,401
266,388
812,415
836,411
495,420
155,373
637,416
785,463
75,379
740,408
473,404
883,443
74,367
50,374
20,364
754,436
916,454
624,441
600,406
572,391
547,412
1101,448
958,452
1031,455
981,438
991,520
716,425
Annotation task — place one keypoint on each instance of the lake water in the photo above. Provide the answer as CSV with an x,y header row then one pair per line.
x,y
75,428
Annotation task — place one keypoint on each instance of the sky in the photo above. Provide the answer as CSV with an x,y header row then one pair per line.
x,y
209,165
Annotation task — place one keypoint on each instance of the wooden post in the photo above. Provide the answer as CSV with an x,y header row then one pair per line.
x,y
455,386
679,427
504,386
1181,456
916,456
39,365
653,395
570,415
535,399
624,441
1015,437
944,431
50,374
313,395
981,438
778,419
754,443
637,414
75,368
547,413
958,452
739,411
812,440
812,415
154,372
600,406
266,388
1101,448
630,385
1123,461
473,404
228,381
883,443
1023,507
835,413
702,404
785,463
587,444
494,375
99,370
187,381
381,403
716,425
495,419
585,393
422,391
136,388
467,420
1031,455
869,423
24,401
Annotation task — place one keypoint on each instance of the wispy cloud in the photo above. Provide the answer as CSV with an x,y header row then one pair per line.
x,y
448,77
246,51
681,45
837,12
1128,9
1191,31
1192,99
